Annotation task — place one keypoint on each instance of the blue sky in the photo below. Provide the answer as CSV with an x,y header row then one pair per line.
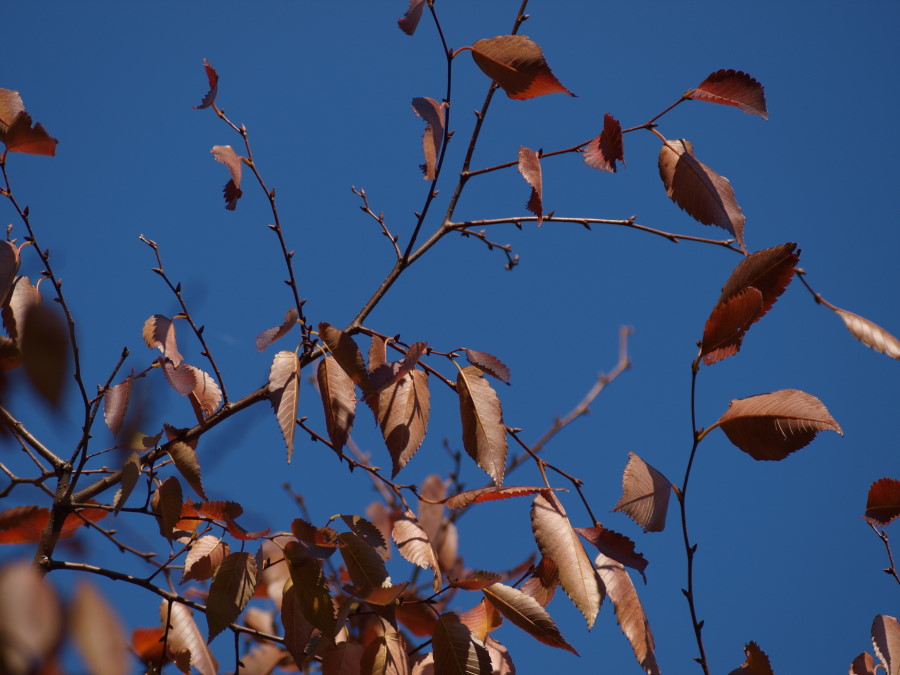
x,y
784,557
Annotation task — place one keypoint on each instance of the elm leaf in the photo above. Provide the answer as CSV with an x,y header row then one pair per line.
x,y
232,190
213,77
886,640
269,335
728,323
338,400
230,591
410,21
413,543
489,363
433,113
756,663
184,635
159,332
869,333
115,404
525,612
455,650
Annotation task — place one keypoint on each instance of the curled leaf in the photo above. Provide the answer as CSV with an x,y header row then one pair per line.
x,y
603,151
869,333
645,494
863,664
213,78
185,459
489,363
159,332
615,546
517,64
410,21
269,335
205,396
433,113
530,168
284,395
732,87
413,543
232,190
17,132
345,350
338,399
756,663
886,640
883,503
403,410
487,494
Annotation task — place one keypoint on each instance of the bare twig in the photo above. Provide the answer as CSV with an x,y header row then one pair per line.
x,y
378,218
891,568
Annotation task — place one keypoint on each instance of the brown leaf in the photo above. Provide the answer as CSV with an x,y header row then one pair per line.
x,y
310,589
232,190
24,136
616,546
501,661
726,326
115,404
433,113
364,566
530,168
863,664
489,364
98,632
319,542
416,616
757,663
431,516
342,658
25,524
230,591
386,374
557,540
603,151
205,397
159,332
31,618
413,543
488,494
542,583
770,271
203,558
886,640
22,298
269,335
9,264
185,459
184,635
403,410
484,434
772,426
409,21
370,533
344,349
629,611
181,377
869,333
645,494
883,504
732,87
10,106
297,629
45,352
385,655
482,619
131,471
213,78
475,581
166,503
284,395
516,64
338,399
701,192
263,659
525,612
455,650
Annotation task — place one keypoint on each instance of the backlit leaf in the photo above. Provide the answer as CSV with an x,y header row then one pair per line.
x,y
345,350
431,516
185,635
455,650
413,543
433,113
530,168
370,533
342,658
262,659
403,410
488,494
9,264
205,397
232,190
269,335
159,332
31,618
863,664
181,378
557,540
166,505
629,611
148,645
770,271
484,434
732,87
203,558
475,581
482,619
772,426
409,21
886,640
386,374
603,151
284,395
230,591
98,632
726,326
297,629
525,612
645,494
131,471
23,135
185,458
883,504
25,524
10,105
213,78
310,589
517,64
869,333
385,655
416,616
489,364
23,296
364,566
338,399
542,583
115,404
616,546
701,192
501,661
45,352
756,663
320,542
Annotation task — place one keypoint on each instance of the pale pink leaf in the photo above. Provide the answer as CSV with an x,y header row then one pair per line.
x,y
181,377
413,543
489,364
645,494
338,399
98,632
886,640
869,333
188,465
284,395
205,397
185,636
232,190
203,558
23,296
31,617
410,21
159,332
403,411
115,404
269,335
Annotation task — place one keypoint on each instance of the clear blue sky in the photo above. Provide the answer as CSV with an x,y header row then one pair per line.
x,y
784,557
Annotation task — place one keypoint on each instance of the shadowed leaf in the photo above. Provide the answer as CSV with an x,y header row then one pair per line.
x,y
310,589
342,659
269,335
886,640
410,21
433,113
370,533
45,352
484,434
615,546
701,192
416,616
489,494
364,566
204,558
232,190
230,591
284,395
148,646
25,524
603,151
319,542
385,655
645,494
772,426
475,581
159,332
557,540
297,629
756,663
23,296
455,650
530,168
9,267
115,404
344,349
263,659
31,619
131,471
166,503
184,635
431,516
413,543
883,504
869,333
188,465
213,78
403,410
863,664
517,64
181,377
542,583
770,271
386,374
489,364
501,661
482,619
728,323
338,399
732,87
525,612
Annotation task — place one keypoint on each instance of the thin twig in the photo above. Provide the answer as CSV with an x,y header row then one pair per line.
x,y
378,218
892,568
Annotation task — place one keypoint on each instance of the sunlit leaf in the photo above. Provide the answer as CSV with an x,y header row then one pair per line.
x,y
45,352
23,296
542,583
482,619
159,332
188,465
205,397
338,399
416,616
770,271
181,378
284,395
869,333
863,664
98,632
726,326
530,168
488,494
756,663
23,135
501,661
385,655
701,192
263,659
433,113
517,64
131,471
886,640
410,21
213,78
269,335
455,650
403,411
386,374
557,540
883,504
204,557
484,434
490,364
476,580
735,88
603,151
413,543
185,635
525,612
343,347
431,515
645,494
10,105
230,591
616,546
232,190
31,618
772,426
115,404
25,524
148,645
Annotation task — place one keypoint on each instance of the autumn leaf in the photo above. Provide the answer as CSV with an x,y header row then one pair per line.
x,y
484,434
629,611
726,326
769,270
525,612
488,494
115,404
364,565
269,335
384,375
284,395
370,533
403,411
530,168
25,524
455,650
501,661
45,352
345,350
476,580
482,619
31,617
205,397
757,662
230,591
869,333
297,630
188,465
886,640
603,151
557,540
542,583
645,494
431,512
342,658
232,190
413,543
701,192
338,400
148,646
410,21
213,78
732,87
184,635
863,664
385,655
23,296
203,558
98,632
310,589
772,426
433,113
9,267
320,542
131,471
883,504
615,546
490,364
181,377
517,64
159,332
17,132
166,503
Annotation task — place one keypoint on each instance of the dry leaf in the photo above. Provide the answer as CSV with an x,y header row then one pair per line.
x,y
17,132
542,583
213,78
725,328
863,664
616,546
184,635
886,640
98,632
413,543
159,332
284,395
484,434
489,364
403,410
344,349
131,471
9,266
384,375
188,465
869,333
732,87
530,168
603,151
770,271
645,494
385,655
205,397
269,335
310,590
488,494
31,618
525,612
757,663
410,21
883,504
517,64
181,377
455,650
230,591
364,565
482,619
115,404
338,399
232,190
166,504
203,558
45,352
433,113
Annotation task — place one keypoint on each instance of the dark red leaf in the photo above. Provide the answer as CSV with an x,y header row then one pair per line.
x,y
769,270
725,328
735,88
603,151
883,504
24,136
433,113
489,364
616,546
530,168
487,494
410,21
213,78
516,64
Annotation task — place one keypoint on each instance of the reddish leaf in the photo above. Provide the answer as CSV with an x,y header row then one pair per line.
x,y
386,374
863,665
159,332
455,650
269,335
403,410
364,565
166,503
525,612
475,581
232,190
615,546
115,404
98,632
489,364
701,192
25,136
772,426
732,87
413,543
297,629
9,266
416,616
205,397
869,333
385,655
203,558
645,494
148,646
530,168
320,542
482,619
431,515
25,524
181,377
31,619
557,540
410,21
338,400
131,471
342,658
725,328
886,640
433,113
184,635
371,534
757,663
488,494
770,271
484,434
542,583
603,151
344,349
381,596
310,589
230,591
516,64
188,465
213,78
284,395
45,352
883,504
